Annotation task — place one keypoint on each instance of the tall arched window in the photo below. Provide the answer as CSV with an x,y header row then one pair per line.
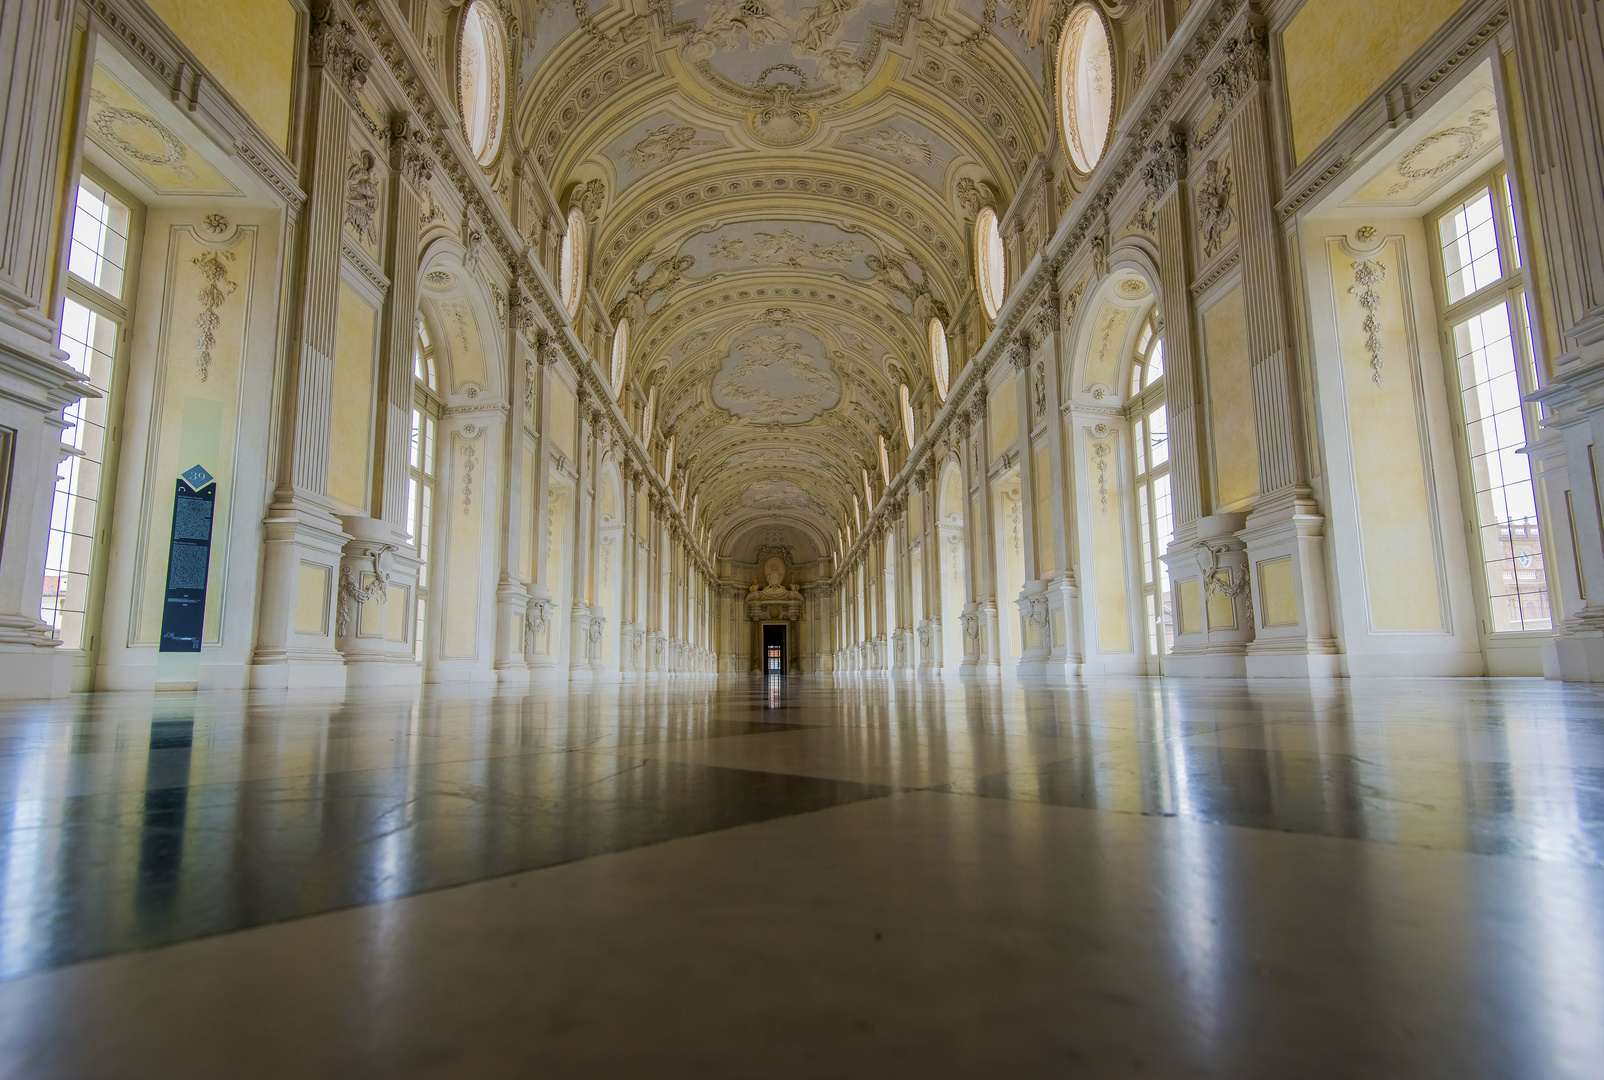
x,y
571,267
1085,87
885,461
1150,451
907,415
991,263
620,356
938,356
482,79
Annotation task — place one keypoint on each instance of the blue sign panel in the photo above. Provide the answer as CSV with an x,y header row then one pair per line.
x,y
189,557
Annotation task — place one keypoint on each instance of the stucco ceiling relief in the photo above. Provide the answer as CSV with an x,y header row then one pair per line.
x,y
776,375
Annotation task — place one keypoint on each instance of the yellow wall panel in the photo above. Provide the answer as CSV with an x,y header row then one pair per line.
x,y
249,47
1236,448
1189,606
1108,558
561,434
1042,480
395,614
1004,416
526,530
1338,52
197,416
460,639
1388,463
1221,609
312,599
351,416
1278,594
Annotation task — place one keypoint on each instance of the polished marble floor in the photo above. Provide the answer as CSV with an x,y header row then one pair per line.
x,y
809,878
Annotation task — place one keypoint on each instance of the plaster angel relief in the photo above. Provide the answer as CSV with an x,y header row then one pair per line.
x,y
362,196
814,33
784,248
899,145
664,145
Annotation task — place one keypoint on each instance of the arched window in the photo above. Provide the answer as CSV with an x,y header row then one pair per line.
x,y
1150,453
423,358
482,79
571,267
620,356
907,415
991,263
1085,87
426,411
938,356
885,461
868,492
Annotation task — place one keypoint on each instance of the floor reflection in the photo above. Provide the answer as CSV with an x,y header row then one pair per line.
x,y
128,821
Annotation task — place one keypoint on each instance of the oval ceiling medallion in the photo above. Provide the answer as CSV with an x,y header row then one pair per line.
x,y
482,79
1085,86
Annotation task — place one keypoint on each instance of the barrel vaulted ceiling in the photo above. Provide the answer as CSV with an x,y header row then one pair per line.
x,y
781,216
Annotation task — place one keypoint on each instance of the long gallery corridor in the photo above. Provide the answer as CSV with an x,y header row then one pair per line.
x,y
808,877
834,539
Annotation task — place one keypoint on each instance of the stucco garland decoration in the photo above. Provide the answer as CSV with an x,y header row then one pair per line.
x,y
1367,273
537,616
353,594
1102,451
1219,580
971,627
218,288
1471,136
173,153
470,464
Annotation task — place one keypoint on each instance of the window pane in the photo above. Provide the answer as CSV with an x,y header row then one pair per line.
x,y
1163,533
1470,247
1158,436
1506,505
99,238
1155,366
1145,519
90,340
